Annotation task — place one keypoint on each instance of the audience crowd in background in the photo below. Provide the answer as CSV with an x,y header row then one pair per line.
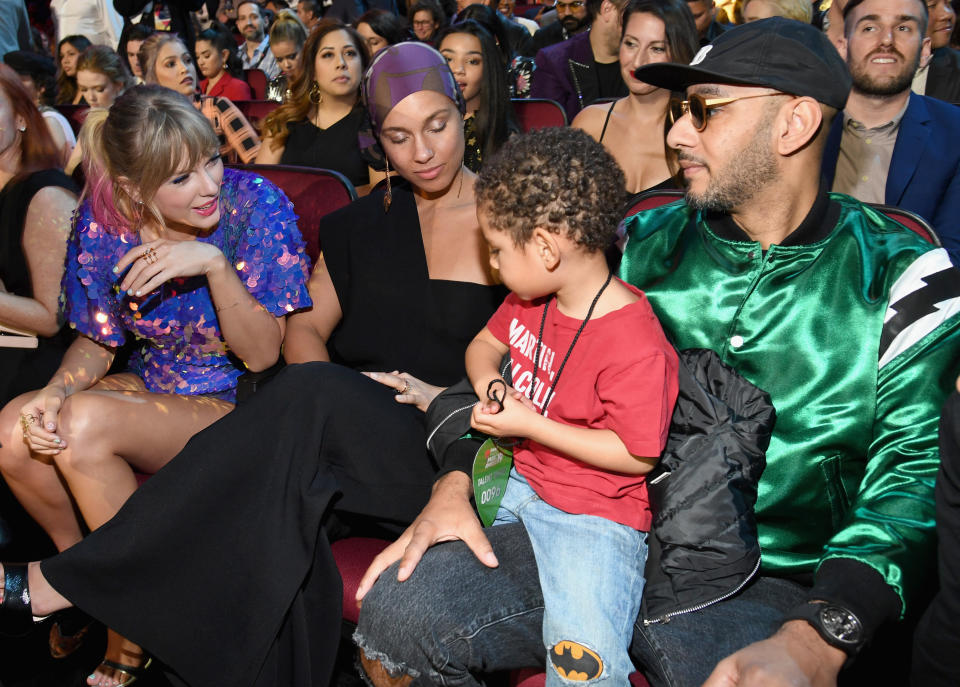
x,y
295,83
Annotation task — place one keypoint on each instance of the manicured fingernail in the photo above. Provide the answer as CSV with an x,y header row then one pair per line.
x,y
58,440
137,293
129,292
116,269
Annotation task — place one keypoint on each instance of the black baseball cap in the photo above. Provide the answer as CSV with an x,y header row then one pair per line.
x,y
778,53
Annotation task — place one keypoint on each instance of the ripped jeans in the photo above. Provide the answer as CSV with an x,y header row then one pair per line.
x,y
591,574
455,619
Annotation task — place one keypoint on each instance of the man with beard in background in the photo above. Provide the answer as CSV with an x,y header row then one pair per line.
x,y
572,18
255,52
890,145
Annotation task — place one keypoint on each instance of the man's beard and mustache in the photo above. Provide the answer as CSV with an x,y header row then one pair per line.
x,y
741,178
573,24
866,83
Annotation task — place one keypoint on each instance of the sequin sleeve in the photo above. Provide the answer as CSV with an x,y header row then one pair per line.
x,y
270,256
89,292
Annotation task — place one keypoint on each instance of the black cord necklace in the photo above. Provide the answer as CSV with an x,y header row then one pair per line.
x,y
536,357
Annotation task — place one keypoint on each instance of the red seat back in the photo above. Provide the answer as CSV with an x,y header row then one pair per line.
x,y
257,81
538,113
353,556
647,200
314,192
75,114
256,110
911,221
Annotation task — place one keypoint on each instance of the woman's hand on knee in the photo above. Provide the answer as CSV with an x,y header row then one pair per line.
x,y
40,420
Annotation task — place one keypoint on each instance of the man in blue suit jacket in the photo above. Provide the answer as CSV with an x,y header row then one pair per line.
x,y
882,51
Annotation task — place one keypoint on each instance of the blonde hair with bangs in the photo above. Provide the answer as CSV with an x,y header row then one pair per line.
x,y
149,135
150,48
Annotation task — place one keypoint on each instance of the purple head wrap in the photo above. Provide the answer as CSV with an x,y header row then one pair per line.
x,y
396,72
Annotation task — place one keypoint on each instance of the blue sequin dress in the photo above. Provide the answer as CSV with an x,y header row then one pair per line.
x,y
181,348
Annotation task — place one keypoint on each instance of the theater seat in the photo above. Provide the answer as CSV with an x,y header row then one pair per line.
x,y
257,81
256,110
911,221
538,113
314,192
353,556
75,114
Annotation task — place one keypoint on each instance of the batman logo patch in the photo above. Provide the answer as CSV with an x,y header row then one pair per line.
x,y
575,661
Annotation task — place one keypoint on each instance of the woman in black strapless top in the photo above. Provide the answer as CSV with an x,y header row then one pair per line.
x,y
220,564
633,129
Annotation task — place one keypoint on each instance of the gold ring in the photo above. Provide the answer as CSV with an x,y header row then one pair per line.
x,y
405,389
150,255
26,421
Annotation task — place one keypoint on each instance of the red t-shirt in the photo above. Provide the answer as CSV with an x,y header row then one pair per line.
x,y
621,375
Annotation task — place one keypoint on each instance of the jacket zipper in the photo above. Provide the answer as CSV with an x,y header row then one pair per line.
x,y
699,607
576,79
444,421
503,373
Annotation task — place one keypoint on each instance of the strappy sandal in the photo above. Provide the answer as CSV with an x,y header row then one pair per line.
x,y
127,674
68,632
16,617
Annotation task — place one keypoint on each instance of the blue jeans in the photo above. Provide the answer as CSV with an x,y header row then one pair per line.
x,y
591,574
455,619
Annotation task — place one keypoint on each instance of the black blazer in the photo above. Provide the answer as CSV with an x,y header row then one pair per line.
x,y
943,79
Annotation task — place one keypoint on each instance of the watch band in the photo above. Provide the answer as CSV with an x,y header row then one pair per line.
x,y
837,626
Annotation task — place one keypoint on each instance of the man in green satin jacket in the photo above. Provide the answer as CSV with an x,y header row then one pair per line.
x,y
849,322
847,319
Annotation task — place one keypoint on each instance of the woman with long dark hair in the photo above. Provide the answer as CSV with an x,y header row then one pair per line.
x,y
319,124
476,65
68,52
380,29
219,64
633,129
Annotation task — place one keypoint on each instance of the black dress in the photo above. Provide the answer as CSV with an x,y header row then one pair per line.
x,y
220,564
333,148
24,369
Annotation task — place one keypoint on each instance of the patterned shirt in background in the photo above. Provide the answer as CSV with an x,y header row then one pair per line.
x,y
180,347
238,139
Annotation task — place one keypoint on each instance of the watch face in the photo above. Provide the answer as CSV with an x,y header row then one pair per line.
x,y
841,623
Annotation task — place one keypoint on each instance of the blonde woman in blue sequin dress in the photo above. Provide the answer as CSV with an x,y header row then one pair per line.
x,y
201,265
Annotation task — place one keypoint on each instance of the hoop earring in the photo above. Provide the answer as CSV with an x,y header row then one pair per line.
x,y
316,96
388,196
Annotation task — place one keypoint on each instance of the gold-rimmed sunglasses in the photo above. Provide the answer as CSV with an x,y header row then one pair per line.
x,y
698,107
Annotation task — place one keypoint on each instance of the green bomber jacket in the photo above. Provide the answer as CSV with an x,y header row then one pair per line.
x,y
852,326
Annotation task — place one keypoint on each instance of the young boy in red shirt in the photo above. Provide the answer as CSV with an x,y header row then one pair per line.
x,y
594,384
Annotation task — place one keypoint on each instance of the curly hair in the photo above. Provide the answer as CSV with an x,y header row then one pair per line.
x,y
559,179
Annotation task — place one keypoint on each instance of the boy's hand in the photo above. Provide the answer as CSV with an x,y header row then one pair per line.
x,y
515,420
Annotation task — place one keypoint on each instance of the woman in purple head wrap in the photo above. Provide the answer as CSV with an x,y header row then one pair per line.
x,y
220,565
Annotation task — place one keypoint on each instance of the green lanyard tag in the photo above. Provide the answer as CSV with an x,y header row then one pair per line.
x,y
491,470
